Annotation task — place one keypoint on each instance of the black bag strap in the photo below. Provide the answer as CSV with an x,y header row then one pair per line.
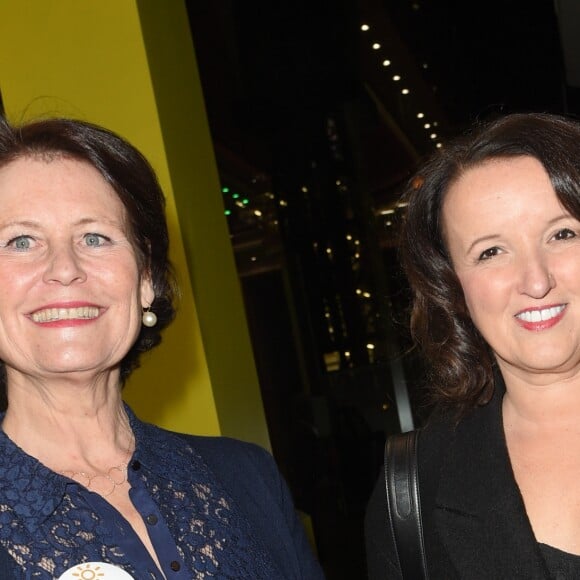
x,y
404,505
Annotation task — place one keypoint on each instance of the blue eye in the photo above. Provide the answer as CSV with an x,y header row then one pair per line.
x,y
20,243
95,240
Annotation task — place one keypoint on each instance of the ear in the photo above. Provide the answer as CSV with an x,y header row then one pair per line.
x,y
147,292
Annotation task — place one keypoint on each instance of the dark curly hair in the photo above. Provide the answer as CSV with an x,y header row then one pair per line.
x,y
134,181
462,364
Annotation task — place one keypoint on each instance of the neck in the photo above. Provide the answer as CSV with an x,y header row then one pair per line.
x,y
541,403
69,420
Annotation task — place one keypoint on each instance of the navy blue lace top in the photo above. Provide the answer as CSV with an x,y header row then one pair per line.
x,y
215,508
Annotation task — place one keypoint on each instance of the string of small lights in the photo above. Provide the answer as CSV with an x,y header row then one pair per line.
x,y
386,61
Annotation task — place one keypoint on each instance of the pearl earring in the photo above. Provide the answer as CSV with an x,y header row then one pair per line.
x,y
149,318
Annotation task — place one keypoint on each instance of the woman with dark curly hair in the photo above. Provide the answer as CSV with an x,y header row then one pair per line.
x,y
86,488
491,248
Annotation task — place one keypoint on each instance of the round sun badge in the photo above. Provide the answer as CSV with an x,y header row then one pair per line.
x,y
95,571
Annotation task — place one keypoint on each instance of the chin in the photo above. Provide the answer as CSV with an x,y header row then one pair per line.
x,y
78,366
552,366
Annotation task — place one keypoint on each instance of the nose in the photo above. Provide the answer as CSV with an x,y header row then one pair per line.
x,y
536,280
64,267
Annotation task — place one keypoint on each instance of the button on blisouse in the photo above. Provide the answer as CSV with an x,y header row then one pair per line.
x,y
175,566
152,519
136,465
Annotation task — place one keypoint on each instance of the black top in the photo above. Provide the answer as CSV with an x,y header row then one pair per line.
x,y
562,565
474,519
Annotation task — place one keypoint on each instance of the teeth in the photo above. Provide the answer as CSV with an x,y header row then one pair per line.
x,y
52,314
540,315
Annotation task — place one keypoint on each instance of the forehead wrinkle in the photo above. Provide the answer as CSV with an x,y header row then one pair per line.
x,y
21,223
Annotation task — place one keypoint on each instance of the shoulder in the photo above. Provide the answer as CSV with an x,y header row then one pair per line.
x,y
382,559
245,470
226,447
222,454
234,458
445,448
251,476
232,462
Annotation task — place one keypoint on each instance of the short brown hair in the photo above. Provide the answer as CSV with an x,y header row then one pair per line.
x,y
131,176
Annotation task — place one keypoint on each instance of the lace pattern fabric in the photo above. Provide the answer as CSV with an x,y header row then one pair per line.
x,y
210,532
49,524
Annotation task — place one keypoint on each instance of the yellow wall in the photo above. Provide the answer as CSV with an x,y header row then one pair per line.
x,y
129,65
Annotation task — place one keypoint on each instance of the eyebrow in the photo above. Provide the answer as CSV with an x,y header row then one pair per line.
x,y
492,237
81,222
20,223
489,238
88,221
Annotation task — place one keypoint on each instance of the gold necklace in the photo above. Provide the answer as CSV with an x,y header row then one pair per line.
x,y
115,476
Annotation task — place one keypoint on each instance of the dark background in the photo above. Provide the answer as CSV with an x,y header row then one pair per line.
x,y
314,139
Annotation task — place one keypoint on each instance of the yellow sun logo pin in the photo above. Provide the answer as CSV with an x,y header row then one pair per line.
x,y
95,571
86,572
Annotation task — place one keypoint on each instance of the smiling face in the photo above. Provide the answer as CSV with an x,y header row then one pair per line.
x,y
516,252
70,288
